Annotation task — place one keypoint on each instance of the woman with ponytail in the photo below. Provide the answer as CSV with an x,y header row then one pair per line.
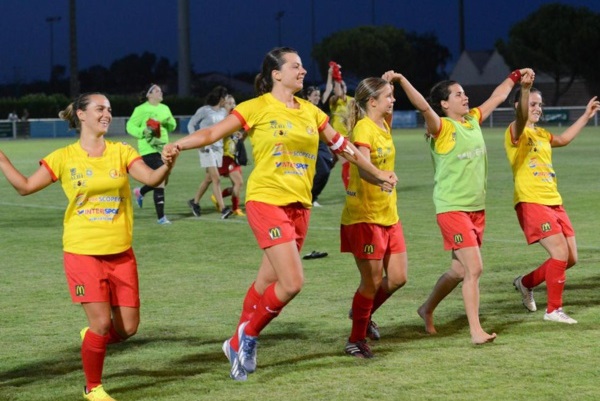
x,y
371,229
284,131
99,262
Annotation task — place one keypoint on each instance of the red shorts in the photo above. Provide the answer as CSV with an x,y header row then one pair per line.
x,y
228,166
541,221
462,229
273,225
372,241
103,278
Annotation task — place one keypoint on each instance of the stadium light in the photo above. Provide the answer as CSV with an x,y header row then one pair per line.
x,y
51,21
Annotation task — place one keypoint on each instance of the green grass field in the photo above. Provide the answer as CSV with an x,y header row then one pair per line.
x,y
194,274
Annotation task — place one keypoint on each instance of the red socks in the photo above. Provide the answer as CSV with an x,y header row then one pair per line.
x,y
249,307
555,283
381,296
552,271
268,308
93,350
361,314
113,336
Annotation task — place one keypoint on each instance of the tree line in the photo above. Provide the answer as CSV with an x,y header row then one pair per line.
x,y
558,40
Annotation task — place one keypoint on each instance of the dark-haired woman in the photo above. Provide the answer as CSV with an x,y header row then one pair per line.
x,y
211,157
99,262
151,123
460,178
284,131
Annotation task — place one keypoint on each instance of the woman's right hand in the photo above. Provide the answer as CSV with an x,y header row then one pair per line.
x,y
388,180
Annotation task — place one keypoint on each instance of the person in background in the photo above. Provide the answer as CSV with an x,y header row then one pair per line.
x,y
151,123
370,226
537,201
13,117
99,262
284,131
230,168
211,157
325,158
460,179
338,106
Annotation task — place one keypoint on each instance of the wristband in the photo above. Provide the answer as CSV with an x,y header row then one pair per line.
x,y
515,76
338,143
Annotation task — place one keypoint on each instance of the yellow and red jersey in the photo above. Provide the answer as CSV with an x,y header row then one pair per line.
x,y
99,216
366,202
530,158
339,114
285,143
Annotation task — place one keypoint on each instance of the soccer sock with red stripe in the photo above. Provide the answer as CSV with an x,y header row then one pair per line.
x,y
361,313
93,350
555,283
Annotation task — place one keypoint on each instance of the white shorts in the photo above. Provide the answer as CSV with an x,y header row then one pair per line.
x,y
210,157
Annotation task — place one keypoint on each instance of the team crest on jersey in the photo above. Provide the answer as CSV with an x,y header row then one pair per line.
x,y
458,238
546,227
275,232
114,173
368,249
79,290
311,130
280,129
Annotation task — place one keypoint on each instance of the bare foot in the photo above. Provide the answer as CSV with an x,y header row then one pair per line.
x,y
428,319
483,338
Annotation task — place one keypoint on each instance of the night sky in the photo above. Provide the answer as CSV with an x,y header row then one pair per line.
x,y
231,36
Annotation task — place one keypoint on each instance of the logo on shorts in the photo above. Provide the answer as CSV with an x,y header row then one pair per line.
x,y
546,227
275,232
368,249
458,238
79,290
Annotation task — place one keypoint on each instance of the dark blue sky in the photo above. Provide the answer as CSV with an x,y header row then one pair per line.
x,y
232,35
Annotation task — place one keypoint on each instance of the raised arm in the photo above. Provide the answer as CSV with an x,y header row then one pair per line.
x,y
328,87
502,91
432,120
40,179
590,111
522,112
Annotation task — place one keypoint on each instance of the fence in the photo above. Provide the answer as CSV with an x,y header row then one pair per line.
x,y
553,116
500,118
57,128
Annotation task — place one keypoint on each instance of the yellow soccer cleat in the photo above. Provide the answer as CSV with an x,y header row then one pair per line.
x,y
97,394
238,212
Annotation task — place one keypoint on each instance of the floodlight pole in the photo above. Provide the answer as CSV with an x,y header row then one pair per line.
x,y
51,21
